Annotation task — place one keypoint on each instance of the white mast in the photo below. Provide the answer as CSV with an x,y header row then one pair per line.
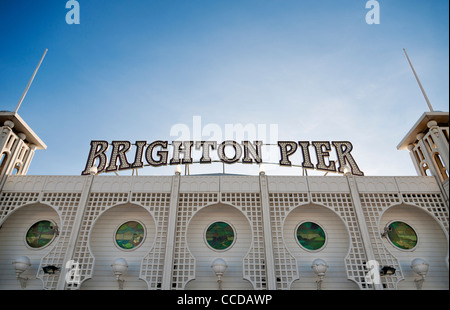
x,y
420,84
29,83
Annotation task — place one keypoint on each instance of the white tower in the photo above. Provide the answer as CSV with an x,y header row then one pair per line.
x,y
18,143
17,140
428,144
428,141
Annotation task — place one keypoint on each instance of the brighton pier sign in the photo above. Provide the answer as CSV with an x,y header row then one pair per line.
x,y
156,154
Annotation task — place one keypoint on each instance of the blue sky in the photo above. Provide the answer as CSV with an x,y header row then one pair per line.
x,y
131,70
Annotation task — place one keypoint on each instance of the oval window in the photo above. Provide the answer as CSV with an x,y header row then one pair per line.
x,y
220,236
402,235
310,236
40,234
130,235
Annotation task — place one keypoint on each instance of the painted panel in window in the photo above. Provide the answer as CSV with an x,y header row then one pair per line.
x,y
40,234
310,236
402,235
220,235
130,235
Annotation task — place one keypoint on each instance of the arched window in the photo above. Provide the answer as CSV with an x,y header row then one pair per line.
x,y
440,166
17,168
3,161
426,170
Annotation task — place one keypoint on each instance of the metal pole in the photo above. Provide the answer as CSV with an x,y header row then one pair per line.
x,y
420,84
29,82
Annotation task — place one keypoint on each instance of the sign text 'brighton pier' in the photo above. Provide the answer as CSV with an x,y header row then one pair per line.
x,y
157,154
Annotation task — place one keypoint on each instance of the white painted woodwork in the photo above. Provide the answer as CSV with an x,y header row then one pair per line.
x,y
13,245
432,247
104,249
333,253
205,255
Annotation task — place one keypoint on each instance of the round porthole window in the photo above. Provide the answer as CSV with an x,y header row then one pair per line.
x,y
220,236
40,234
130,235
402,236
310,236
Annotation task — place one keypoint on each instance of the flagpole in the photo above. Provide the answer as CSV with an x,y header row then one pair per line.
x,y
420,84
29,82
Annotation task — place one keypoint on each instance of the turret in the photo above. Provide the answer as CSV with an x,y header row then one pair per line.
x,y
18,143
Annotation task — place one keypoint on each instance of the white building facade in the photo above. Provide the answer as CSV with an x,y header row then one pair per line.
x,y
269,232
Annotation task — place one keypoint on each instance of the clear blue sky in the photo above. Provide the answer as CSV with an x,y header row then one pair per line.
x,y
131,70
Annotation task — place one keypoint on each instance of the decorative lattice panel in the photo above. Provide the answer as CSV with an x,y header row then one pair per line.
x,y
183,262
10,201
373,205
191,203
153,263
97,203
285,264
355,261
66,205
433,203
254,261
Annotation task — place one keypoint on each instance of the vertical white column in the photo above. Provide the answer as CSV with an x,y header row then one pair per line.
x,y
268,243
427,156
171,230
432,166
75,231
15,153
414,160
364,231
440,141
27,160
5,133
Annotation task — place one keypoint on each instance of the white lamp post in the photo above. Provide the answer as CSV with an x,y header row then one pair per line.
x,y
320,268
219,266
262,169
21,264
93,170
120,267
420,267
347,170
